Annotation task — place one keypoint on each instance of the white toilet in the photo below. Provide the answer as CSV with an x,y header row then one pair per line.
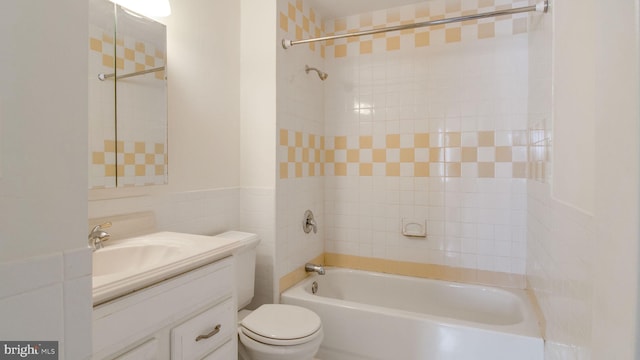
x,y
272,331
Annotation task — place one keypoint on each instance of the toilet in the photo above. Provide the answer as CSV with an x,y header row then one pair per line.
x,y
272,331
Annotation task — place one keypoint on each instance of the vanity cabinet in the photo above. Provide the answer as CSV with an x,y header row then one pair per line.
x,y
187,317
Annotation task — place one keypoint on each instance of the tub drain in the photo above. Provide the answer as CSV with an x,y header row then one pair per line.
x,y
314,287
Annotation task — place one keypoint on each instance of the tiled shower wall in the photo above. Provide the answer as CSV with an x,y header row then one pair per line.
x,y
429,124
300,120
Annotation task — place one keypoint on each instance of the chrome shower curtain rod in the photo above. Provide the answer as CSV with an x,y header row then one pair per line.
x,y
540,7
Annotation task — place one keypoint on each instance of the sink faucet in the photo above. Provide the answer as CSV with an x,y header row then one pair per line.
x,y
309,267
98,235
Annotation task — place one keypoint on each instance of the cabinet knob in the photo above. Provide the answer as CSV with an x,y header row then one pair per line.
x,y
213,332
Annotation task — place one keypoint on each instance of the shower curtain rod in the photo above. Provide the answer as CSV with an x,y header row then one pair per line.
x,y
104,77
540,7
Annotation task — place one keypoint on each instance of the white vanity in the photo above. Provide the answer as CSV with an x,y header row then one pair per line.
x,y
166,296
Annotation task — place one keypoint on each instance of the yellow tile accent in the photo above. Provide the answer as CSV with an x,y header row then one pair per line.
x,y
407,31
129,54
159,170
141,170
298,33
393,15
486,138
312,141
340,142
366,169
95,44
108,60
421,140
120,146
503,154
379,155
97,158
340,50
312,15
422,39
305,24
120,63
284,137
298,170
139,67
366,142
159,148
107,39
422,11
453,6
109,146
469,154
453,35
486,30
407,155
139,147
149,60
299,5
284,170
452,170
392,169
393,43
305,155
129,159
298,274
353,155
110,170
486,3
486,169
366,47
366,20
291,154
421,169
149,159
140,46
298,138
284,22
393,141
436,155
452,139
292,12
329,156
340,169
469,22
340,25
519,170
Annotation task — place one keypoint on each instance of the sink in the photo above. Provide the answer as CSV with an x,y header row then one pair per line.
x,y
127,265
115,259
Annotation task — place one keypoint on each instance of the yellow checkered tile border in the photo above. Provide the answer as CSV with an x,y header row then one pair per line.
x,y
304,154
482,154
137,159
137,57
301,22
422,37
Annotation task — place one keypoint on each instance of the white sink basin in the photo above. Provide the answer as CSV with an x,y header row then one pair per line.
x,y
127,265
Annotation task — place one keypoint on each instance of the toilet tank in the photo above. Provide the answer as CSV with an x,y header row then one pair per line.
x,y
245,264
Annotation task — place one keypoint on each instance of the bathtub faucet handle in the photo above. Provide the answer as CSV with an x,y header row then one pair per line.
x,y
309,267
309,223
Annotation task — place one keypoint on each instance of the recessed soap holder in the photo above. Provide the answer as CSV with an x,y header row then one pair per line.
x,y
414,227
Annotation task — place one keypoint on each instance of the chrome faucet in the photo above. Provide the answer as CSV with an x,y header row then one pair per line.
x,y
309,223
309,267
97,236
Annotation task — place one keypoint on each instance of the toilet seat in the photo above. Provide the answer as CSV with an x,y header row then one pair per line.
x,y
279,324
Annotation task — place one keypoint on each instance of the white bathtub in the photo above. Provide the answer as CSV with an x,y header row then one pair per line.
x,y
367,315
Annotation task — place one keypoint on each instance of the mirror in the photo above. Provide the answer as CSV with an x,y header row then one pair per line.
x,y
127,98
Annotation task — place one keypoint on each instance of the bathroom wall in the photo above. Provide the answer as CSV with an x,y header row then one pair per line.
x,y
300,138
202,195
582,259
429,125
45,267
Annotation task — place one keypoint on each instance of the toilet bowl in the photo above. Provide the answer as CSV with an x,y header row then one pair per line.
x,y
272,331
279,332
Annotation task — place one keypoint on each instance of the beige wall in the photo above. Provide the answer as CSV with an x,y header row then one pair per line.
x,y
43,127
583,214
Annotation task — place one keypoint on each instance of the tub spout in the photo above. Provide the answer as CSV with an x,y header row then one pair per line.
x,y
309,267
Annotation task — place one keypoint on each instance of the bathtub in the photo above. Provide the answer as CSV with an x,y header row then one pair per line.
x,y
368,315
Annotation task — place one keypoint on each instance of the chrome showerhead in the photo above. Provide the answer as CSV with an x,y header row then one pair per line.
x,y
322,75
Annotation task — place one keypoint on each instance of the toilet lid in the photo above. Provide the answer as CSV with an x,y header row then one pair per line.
x,y
278,324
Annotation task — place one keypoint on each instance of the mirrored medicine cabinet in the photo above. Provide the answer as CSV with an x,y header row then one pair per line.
x,y
127,98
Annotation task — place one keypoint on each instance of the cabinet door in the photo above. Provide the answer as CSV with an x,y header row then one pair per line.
x,y
146,351
205,332
225,352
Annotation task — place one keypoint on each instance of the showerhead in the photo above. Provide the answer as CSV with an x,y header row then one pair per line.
x,y
322,75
